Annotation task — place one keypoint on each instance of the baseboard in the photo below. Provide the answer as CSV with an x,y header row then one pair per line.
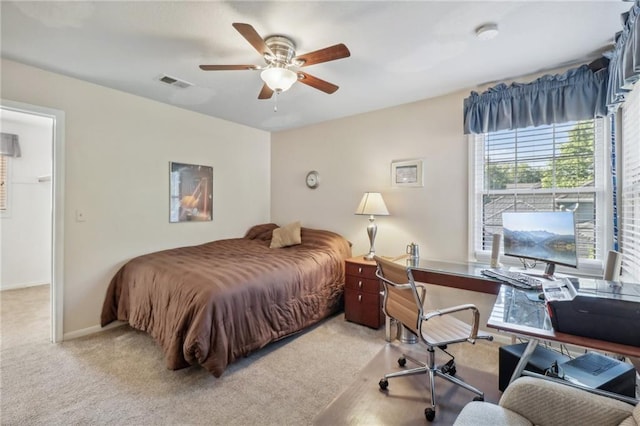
x,y
20,285
91,330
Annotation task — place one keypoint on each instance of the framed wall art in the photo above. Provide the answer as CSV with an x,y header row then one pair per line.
x,y
407,173
191,192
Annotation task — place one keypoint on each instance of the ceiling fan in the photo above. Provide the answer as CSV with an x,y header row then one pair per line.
x,y
281,69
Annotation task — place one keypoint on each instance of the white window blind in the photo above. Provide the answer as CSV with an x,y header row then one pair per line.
x,y
629,211
544,168
4,195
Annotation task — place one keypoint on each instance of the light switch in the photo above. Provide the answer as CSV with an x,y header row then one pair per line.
x,y
80,216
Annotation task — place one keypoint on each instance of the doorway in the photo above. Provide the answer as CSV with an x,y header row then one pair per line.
x,y
29,119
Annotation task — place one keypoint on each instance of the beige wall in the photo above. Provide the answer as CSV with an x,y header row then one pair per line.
x,y
354,155
118,148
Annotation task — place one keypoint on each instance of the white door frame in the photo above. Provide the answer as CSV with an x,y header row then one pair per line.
x,y
57,209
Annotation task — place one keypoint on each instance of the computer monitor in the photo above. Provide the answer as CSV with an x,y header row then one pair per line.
x,y
549,237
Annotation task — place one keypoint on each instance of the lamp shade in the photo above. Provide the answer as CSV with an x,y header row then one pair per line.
x,y
279,79
372,204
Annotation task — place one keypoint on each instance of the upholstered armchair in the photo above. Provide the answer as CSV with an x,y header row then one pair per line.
x,y
534,401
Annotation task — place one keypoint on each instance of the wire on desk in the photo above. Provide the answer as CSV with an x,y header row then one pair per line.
x,y
561,349
528,265
554,371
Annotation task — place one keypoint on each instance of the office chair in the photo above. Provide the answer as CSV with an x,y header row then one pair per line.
x,y
404,303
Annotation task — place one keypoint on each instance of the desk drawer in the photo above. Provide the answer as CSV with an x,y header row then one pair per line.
x,y
359,270
363,308
366,285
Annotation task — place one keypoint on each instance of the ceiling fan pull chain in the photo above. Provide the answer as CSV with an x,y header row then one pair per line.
x,y
275,101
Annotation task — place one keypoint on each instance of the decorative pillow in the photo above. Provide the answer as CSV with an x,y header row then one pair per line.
x,y
286,236
261,232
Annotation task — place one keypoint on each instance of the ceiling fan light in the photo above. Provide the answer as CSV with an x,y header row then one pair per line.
x,y
279,79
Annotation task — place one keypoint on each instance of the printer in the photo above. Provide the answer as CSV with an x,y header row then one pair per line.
x,y
599,309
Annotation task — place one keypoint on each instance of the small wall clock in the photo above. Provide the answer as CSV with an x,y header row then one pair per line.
x,y
313,179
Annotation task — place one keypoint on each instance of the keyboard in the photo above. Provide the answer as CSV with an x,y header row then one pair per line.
x,y
516,279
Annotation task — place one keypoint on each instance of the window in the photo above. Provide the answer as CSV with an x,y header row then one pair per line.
x,y
544,168
4,184
629,211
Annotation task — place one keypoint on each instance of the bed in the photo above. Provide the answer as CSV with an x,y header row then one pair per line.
x,y
213,303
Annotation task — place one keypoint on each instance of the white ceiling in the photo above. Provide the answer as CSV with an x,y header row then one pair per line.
x,y
400,51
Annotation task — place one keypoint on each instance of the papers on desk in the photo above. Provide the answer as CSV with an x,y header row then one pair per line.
x,y
558,290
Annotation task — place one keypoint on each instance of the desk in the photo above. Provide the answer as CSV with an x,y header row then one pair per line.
x,y
517,312
466,276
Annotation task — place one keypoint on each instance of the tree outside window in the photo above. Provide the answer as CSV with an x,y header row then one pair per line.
x,y
544,168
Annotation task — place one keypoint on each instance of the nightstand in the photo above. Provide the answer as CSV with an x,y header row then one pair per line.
x,y
362,293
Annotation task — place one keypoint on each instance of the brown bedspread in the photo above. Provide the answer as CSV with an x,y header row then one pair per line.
x,y
213,303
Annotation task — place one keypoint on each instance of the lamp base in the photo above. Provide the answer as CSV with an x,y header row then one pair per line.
x,y
372,228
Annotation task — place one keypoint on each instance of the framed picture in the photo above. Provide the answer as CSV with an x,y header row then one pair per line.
x,y
407,173
190,192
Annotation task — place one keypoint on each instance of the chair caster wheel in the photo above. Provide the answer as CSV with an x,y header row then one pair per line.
x,y
478,398
449,368
430,414
384,384
402,361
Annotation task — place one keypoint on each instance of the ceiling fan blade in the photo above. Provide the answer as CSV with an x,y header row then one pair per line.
x,y
265,93
227,67
327,54
252,36
316,83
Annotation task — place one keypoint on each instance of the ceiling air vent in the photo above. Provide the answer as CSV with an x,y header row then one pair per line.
x,y
174,81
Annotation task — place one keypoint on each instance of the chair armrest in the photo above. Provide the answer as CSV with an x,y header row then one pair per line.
x,y
545,402
452,309
391,283
400,286
466,307
422,291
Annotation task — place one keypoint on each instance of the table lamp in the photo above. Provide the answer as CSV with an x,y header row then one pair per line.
x,y
372,204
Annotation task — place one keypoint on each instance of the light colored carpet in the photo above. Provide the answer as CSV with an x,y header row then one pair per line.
x,y
119,376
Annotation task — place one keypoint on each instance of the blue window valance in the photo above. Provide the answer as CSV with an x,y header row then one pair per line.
x,y
578,94
624,65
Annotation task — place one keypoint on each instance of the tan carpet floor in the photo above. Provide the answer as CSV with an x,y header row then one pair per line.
x,y
119,376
